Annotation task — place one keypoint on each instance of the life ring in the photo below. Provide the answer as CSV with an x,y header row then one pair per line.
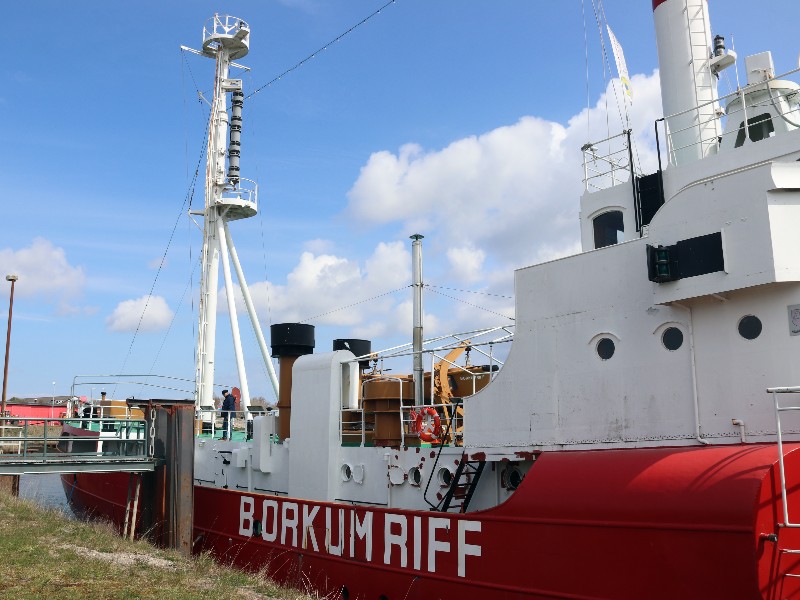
x,y
428,424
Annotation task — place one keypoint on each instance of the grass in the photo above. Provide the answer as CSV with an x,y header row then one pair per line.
x,y
44,554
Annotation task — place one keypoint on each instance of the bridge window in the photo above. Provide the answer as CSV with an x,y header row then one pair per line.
x,y
608,229
759,127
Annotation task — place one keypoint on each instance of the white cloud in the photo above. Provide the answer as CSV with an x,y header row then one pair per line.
x,y
326,289
466,263
513,191
486,204
44,271
128,314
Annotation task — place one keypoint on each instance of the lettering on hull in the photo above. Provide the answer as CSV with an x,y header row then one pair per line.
x,y
395,539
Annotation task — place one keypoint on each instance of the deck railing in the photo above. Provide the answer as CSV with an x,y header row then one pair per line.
x,y
776,392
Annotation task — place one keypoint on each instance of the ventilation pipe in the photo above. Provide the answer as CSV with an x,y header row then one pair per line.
x,y
289,341
416,259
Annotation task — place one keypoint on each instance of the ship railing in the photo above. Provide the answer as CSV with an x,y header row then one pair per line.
x,y
482,341
223,25
776,393
606,168
240,189
211,421
46,440
705,116
360,426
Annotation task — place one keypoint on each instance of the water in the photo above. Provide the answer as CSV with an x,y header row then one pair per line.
x,y
45,490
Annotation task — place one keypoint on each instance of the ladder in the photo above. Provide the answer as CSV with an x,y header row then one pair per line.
x,y
705,90
465,481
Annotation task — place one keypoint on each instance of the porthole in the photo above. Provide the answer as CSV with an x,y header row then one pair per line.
x,y
414,476
347,472
605,348
445,477
672,338
515,477
345,593
750,327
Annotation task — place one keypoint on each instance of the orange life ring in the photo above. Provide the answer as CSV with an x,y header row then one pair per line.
x,y
429,428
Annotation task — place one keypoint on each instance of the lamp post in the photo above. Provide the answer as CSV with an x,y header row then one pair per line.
x,y
53,405
13,280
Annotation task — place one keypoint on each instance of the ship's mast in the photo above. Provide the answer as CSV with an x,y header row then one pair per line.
x,y
228,197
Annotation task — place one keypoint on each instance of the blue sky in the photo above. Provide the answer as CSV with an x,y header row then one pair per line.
x,y
458,119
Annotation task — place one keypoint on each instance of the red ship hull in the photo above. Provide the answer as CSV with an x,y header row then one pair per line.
x,y
645,523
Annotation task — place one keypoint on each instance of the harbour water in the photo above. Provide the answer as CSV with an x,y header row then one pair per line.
x,y
45,490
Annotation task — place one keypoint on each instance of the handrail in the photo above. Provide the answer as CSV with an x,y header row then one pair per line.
x,y
778,410
130,435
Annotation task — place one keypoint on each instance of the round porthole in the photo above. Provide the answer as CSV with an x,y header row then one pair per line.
x,y
445,477
605,348
414,476
672,338
347,472
750,327
515,477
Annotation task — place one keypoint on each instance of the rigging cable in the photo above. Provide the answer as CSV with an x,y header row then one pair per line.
x,y
626,123
186,199
322,49
441,287
355,304
472,305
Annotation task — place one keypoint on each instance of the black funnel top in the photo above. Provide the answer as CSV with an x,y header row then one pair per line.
x,y
291,339
357,347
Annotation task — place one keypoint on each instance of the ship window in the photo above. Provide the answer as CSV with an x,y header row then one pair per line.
x,y
608,229
515,477
414,476
759,127
672,338
750,327
605,348
347,472
445,477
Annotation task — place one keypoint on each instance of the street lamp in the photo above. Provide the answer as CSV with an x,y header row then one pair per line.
x,y
13,280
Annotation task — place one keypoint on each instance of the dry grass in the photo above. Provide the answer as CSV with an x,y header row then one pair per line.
x,y
43,554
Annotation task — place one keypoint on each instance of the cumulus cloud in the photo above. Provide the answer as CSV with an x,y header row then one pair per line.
x,y
152,311
466,263
512,191
44,271
486,204
326,289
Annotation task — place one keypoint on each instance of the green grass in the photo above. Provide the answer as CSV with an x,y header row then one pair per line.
x,y
43,554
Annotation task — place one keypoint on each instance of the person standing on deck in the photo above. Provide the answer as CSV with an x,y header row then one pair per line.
x,y
228,406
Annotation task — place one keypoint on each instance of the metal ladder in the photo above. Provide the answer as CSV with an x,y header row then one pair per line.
x,y
698,29
465,481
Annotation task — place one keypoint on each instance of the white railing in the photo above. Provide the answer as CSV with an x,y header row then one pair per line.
x,y
771,99
776,391
241,192
608,167
223,25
